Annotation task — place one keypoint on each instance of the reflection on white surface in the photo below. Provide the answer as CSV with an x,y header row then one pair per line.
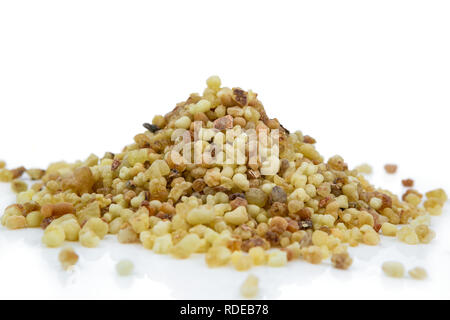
x,y
30,270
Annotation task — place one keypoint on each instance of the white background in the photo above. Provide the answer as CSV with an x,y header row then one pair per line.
x,y
368,79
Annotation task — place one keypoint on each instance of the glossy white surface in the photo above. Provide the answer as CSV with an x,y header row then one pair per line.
x,y
30,270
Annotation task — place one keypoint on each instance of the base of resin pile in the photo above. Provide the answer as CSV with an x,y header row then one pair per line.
x,y
307,209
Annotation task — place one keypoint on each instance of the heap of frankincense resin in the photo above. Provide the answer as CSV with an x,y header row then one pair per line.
x,y
177,191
